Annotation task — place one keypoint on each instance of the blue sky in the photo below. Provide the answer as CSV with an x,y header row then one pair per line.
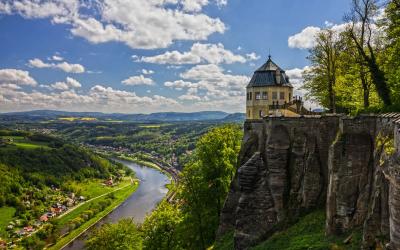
x,y
141,56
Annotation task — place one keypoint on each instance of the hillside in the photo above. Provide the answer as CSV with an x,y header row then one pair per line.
x,y
41,178
51,115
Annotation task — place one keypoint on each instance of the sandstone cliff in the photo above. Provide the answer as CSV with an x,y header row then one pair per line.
x,y
290,166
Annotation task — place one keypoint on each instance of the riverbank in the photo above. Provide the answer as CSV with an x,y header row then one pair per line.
x,y
120,196
172,173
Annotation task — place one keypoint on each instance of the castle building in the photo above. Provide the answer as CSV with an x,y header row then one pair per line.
x,y
269,91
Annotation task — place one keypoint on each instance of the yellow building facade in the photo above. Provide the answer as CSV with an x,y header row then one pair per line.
x,y
268,90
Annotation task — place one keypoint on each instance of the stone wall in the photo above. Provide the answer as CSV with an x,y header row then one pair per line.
x,y
290,166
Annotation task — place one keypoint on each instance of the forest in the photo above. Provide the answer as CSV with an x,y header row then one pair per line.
x,y
355,66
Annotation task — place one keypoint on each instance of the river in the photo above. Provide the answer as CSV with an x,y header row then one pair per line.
x,y
150,191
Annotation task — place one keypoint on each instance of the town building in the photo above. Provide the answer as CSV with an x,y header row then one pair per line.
x,y
269,92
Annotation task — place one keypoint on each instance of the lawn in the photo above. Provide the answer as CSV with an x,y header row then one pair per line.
x,y
72,119
22,142
307,233
30,145
150,126
89,189
120,196
93,188
6,215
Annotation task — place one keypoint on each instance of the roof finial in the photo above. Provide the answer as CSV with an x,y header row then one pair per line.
x,y
269,54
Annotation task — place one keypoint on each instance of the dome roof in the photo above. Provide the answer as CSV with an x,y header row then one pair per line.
x,y
269,74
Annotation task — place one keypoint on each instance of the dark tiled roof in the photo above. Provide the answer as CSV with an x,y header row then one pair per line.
x,y
266,76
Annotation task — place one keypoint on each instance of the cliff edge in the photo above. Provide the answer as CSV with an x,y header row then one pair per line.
x,y
292,166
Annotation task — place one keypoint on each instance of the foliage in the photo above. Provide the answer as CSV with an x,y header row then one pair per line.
x,y
161,229
309,233
6,215
123,235
191,223
367,68
320,79
205,182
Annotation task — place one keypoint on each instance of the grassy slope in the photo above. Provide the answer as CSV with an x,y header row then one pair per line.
x,y
6,215
120,196
307,233
93,191
25,143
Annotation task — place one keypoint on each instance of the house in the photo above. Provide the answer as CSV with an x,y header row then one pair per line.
x,y
44,218
28,229
109,182
69,202
269,92
56,210
3,244
37,224
50,215
20,232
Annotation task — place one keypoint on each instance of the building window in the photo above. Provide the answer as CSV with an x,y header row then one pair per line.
x,y
258,96
274,95
290,97
251,95
282,95
265,95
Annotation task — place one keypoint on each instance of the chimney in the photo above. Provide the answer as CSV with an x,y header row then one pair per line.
x,y
278,76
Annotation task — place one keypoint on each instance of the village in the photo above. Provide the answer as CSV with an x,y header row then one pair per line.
x,y
60,203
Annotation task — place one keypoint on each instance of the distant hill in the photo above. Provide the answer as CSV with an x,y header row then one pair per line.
x,y
235,117
43,115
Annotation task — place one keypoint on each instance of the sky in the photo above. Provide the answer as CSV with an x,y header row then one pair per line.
x,y
143,56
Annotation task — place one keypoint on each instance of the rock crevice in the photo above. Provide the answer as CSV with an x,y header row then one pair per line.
x,y
290,166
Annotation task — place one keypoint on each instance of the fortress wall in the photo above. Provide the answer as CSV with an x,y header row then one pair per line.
x,y
290,166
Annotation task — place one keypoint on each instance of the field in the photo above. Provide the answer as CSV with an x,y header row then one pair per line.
x,y
94,188
90,189
22,142
6,215
120,196
73,119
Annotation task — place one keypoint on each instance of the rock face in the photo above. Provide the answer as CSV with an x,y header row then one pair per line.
x,y
290,166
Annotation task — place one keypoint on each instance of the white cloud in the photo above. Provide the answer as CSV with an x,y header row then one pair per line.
x,y
138,80
67,67
297,80
59,86
194,5
98,98
305,39
73,83
67,84
252,56
133,23
57,58
147,72
189,97
16,77
209,87
180,84
209,53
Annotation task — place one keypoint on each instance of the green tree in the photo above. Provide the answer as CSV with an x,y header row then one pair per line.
x,y
123,235
362,19
161,228
320,79
391,57
205,182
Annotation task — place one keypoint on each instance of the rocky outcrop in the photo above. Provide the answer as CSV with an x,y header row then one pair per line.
x,y
290,166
